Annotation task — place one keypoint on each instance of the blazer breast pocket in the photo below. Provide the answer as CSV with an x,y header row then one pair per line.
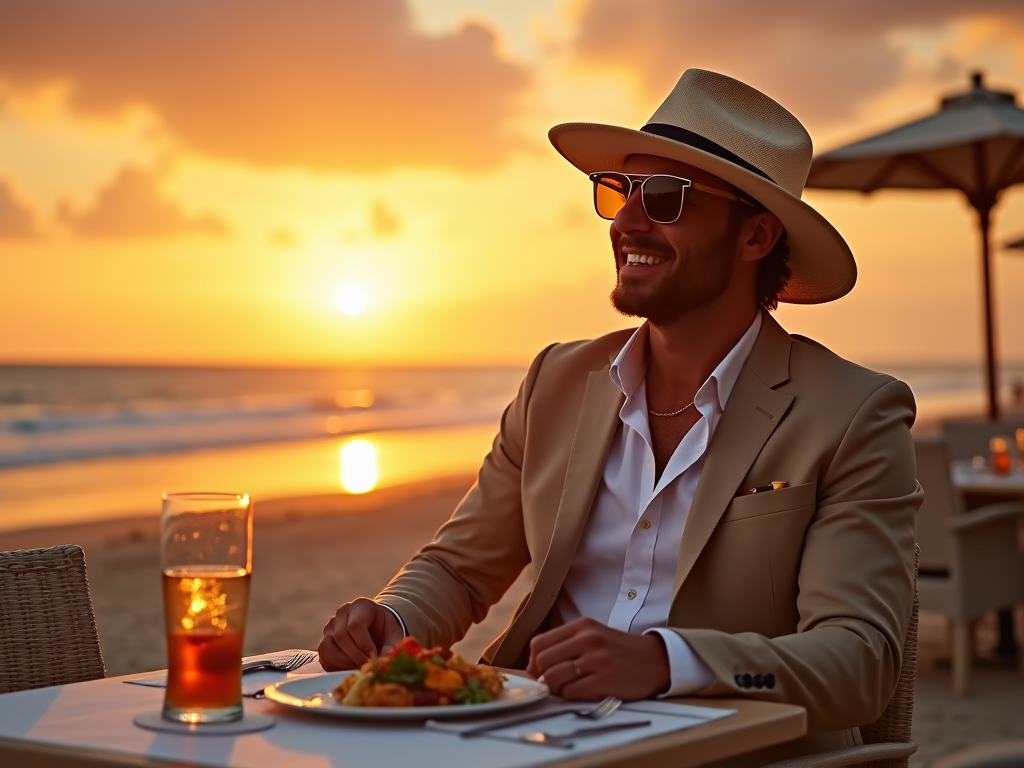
x,y
770,502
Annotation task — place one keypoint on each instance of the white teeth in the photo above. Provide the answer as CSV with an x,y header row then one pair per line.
x,y
643,258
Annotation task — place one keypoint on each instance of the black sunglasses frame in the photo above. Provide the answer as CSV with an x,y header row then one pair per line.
x,y
640,179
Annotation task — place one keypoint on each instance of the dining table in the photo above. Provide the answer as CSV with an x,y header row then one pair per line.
x,y
91,724
982,481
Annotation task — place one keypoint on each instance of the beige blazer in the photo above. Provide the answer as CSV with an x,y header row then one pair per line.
x,y
811,584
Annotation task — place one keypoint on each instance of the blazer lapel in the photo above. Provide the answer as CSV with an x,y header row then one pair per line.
x,y
753,412
599,418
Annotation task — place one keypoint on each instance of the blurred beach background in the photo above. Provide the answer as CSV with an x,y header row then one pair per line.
x,y
307,250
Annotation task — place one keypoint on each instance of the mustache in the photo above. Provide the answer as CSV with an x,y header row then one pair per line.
x,y
644,244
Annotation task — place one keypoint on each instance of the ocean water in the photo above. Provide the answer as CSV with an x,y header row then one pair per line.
x,y
81,443
54,414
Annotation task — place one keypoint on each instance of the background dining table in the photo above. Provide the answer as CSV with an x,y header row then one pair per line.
x,y
91,724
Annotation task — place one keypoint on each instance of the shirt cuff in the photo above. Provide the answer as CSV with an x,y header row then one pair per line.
x,y
405,632
687,673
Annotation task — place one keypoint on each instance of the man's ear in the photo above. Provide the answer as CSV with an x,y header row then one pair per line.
x,y
758,235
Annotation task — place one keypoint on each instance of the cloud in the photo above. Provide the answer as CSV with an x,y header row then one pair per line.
x,y
820,59
133,206
383,221
284,238
16,219
321,84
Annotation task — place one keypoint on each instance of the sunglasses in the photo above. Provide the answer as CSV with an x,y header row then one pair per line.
x,y
661,194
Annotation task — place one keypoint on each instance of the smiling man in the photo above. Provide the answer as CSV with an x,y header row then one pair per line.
x,y
707,505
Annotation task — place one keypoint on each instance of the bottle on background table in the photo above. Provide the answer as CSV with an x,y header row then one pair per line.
x,y
999,448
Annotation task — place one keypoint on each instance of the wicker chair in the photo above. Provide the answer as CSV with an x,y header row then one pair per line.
x,y
887,742
47,626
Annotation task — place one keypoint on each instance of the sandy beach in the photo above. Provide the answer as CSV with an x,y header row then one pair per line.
x,y
309,555
313,553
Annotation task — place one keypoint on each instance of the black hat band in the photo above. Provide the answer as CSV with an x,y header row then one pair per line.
x,y
695,140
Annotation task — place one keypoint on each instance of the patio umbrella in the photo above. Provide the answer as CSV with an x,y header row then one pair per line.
x,y
974,144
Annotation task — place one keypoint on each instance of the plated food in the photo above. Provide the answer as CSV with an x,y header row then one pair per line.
x,y
410,675
312,695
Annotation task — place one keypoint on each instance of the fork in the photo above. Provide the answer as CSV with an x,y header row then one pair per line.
x,y
281,665
601,711
564,740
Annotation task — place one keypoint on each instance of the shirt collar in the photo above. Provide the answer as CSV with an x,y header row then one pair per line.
x,y
629,368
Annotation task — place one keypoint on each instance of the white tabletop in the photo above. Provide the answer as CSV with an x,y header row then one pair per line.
x,y
970,479
97,716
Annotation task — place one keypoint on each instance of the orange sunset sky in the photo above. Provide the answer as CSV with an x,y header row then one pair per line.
x,y
192,181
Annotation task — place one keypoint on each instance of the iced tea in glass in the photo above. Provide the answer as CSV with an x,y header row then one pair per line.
x,y
206,555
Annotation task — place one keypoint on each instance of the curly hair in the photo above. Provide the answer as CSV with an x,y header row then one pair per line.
x,y
773,274
773,270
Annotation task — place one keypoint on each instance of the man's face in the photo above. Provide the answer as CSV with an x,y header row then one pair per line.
x,y
689,263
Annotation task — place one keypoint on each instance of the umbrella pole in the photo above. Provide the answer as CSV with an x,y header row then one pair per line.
x,y
984,215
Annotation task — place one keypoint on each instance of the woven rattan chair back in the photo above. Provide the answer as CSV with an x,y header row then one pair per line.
x,y
47,626
893,726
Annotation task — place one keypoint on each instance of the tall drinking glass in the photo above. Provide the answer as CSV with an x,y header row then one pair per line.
x,y
206,556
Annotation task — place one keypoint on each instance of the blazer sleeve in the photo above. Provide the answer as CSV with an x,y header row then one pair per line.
x,y
474,557
855,582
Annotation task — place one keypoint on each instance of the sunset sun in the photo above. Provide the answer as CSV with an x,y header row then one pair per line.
x,y
351,299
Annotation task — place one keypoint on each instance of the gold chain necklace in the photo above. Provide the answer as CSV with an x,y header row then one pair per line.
x,y
672,413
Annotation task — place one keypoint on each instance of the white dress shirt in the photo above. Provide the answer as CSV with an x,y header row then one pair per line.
x,y
623,571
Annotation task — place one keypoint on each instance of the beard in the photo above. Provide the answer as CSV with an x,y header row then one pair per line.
x,y
699,276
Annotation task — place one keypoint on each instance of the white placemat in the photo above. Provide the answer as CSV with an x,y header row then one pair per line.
x,y
554,719
98,715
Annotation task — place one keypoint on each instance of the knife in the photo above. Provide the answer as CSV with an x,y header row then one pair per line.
x,y
508,722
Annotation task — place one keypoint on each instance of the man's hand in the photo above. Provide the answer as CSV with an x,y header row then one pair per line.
x,y
586,661
358,632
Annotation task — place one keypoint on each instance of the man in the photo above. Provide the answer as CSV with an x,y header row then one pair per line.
x,y
708,505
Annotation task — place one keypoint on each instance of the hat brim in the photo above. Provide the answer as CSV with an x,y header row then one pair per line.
x,y
823,267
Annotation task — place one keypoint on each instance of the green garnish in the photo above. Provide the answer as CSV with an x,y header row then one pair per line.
x,y
437,660
404,670
472,693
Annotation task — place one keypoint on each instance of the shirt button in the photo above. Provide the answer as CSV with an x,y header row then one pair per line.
x,y
631,594
645,524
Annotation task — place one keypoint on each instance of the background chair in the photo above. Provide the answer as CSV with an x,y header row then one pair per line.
x,y
887,742
47,626
966,439
970,562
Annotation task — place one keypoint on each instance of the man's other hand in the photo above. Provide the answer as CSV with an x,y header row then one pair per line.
x,y
585,661
357,632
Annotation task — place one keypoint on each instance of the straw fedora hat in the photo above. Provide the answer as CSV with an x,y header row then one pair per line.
x,y
729,129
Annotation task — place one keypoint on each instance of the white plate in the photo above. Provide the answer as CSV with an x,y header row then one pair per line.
x,y
312,693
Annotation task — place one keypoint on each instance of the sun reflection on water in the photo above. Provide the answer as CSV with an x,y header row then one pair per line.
x,y
359,472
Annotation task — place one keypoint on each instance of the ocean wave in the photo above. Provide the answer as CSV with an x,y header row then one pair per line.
x,y
29,418
126,437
